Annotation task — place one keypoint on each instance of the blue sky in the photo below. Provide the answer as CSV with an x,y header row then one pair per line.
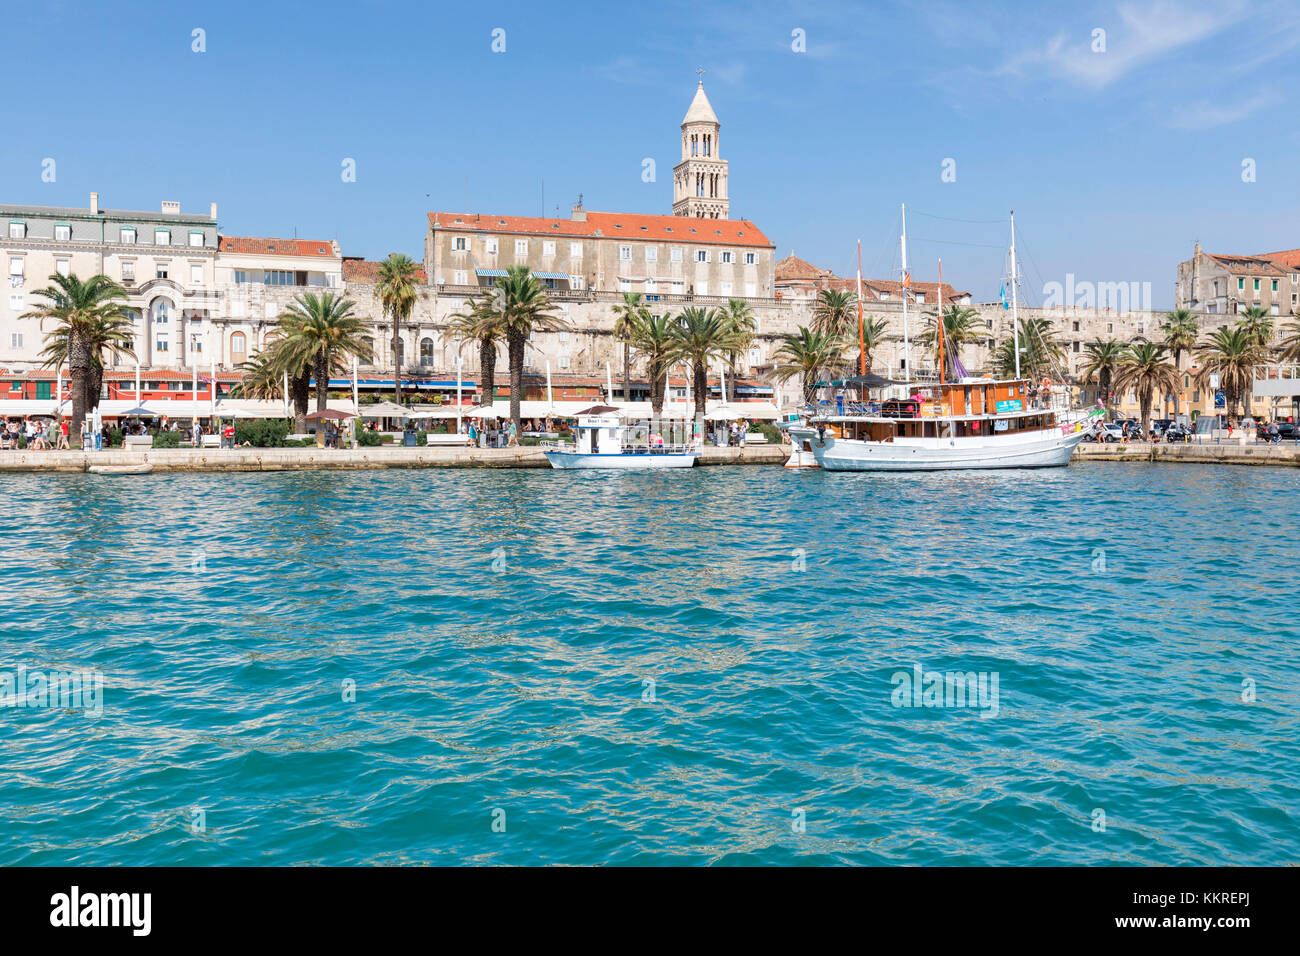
x,y
1114,161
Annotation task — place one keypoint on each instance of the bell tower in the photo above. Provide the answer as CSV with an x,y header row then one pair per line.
x,y
700,179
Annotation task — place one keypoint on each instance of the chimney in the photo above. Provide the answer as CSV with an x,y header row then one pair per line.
x,y
213,213
171,207
94,204
579,214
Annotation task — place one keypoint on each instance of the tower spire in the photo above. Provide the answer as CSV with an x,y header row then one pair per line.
x,y
700,179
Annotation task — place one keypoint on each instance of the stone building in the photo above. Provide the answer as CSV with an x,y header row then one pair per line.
x,y
700,179
1222,284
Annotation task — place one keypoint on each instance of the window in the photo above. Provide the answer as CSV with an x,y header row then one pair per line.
x,y
677,287
728,257
564,361
460,277
16,300
196,343
575,282
128,272
726,288
162,237
490,245
15,265
17,229
651,285
751,290
625,253
701,288
61,266
237,347
1241,285
160,271
701,255
127,235
161,344
278,277
652,254
241,277
548,247
1256,285
196,274
196,238
426,352
920,298
460,244
521,247
62,232
575,250
676,254
160,311
15,340
1274,285
751,258
624,285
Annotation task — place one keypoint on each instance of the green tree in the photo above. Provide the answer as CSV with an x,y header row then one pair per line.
x,y
259,378
959,325
703,335
108,336
835,311
1146,369
525,309
627,315
1102,360
1258,324
807,353
1180,332
1289,347
1233,354
397,292
874,333
484,324
743,327
79,311
1040,352
654,336
319,334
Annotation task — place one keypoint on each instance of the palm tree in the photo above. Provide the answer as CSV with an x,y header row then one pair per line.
x,y
1146,369
80,310
959,328
320,333
655,338
525,309
396,289
259,378
1258,324
1289,347
627,315
743,326
109,335
836,311
807,353
1039,351
703,335
874,331
483,324
1180,331
1232,353
1101,362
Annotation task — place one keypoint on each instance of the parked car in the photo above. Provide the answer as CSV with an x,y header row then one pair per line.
x,y
1104,432
1177,433
1288,431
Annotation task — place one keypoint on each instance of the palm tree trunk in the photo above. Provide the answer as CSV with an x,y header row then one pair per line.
x,y
487,362
627,372
515,347
658,386
397,359
299,390
94,382
78,360
701,392
320,371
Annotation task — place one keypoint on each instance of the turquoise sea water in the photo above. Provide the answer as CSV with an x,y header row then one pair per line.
x,y
503,629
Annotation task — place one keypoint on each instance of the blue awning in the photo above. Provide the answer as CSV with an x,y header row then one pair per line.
x,y
489,272
551,275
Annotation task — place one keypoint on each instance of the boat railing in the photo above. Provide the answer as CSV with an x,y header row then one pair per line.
x,y
842,406
658,449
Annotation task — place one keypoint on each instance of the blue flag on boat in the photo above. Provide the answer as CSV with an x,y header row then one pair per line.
x,y
1004,296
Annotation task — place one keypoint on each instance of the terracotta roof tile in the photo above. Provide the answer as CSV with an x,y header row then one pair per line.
x,y
1289,258
356,269
1249,265
254,245
792,267
612,225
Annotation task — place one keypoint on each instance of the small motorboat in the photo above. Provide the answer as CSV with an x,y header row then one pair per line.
x,y
604,441
143,468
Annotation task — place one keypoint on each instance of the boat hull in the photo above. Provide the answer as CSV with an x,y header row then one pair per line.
x,y
120,470
1044,449
570,459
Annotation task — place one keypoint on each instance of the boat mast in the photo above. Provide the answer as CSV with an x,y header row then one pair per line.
x,y
943,333
862,349
1015,323
907,345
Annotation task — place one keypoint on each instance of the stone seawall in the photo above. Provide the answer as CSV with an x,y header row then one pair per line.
x,y
1224,453
307,459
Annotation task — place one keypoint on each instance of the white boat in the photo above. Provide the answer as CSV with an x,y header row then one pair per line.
x,y
603,440
141,469
801,455
973,423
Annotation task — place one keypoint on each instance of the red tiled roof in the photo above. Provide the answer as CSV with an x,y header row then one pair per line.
x,y
871,288
364,270
612,225
1250,265
792,267
1290,258
253,245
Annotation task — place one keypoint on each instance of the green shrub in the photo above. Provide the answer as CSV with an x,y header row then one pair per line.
x,y
299,442
368,439
166,439
262,433
770,432
421,438
115,438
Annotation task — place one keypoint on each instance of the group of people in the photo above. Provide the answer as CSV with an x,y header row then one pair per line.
x,y
729,435
36,434
490,435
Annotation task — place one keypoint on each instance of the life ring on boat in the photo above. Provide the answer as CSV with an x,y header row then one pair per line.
x,y
1045,383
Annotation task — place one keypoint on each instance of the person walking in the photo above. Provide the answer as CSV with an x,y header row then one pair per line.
x,y
63,434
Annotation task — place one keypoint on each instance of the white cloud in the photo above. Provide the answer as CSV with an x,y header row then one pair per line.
x,y
1203,114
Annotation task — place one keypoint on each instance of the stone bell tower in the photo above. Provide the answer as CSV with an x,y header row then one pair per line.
x,y
700,179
